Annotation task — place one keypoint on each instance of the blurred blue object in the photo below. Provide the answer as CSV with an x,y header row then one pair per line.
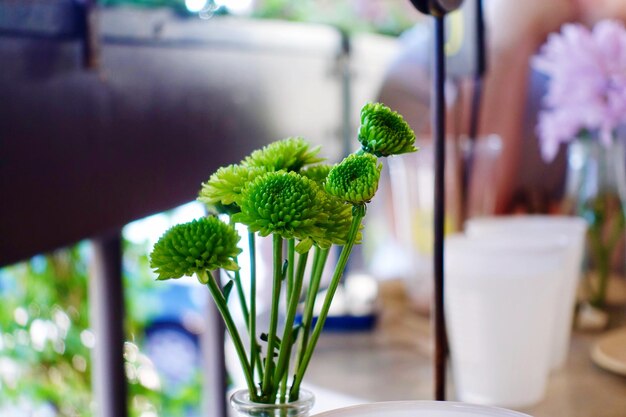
x,y
172,332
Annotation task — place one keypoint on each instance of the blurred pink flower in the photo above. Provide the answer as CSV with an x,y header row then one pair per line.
x,y
587,86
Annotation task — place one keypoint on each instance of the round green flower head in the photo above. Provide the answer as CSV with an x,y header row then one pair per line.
x,y
335,228
290,154
281,202
317,173
194,248
384,132
224,187
355,179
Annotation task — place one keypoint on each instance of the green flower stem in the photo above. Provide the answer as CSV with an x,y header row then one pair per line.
x,y
267,385
292,305
602,249
291,251
291,245
222,307
319,261
283,388
240,293
254,346
242,297
603,260
602,254
358,212
618,230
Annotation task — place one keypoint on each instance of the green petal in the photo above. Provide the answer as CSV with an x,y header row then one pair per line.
x,y
231,266
224,187
290,154
304,245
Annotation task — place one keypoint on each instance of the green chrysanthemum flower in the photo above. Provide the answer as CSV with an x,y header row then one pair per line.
x,y
281,203
355,179
317,173
335,228
224,187
194,248
384,132
290,154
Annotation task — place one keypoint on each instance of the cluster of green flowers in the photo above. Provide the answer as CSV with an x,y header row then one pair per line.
x,y
283,190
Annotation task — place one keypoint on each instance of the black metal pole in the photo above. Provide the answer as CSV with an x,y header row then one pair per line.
x,y
106,297
481,67
467,159
91,35
439,133
438,9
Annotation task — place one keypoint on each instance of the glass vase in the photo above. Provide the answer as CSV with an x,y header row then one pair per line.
x,y
596,190
240,401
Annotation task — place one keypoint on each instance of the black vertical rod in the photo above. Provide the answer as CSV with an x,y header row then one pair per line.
x,y
106,298
91,35
481,42
469,154
439,133
481,68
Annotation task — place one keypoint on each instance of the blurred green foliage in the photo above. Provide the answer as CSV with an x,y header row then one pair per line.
x,y
45,336
389,17
45,341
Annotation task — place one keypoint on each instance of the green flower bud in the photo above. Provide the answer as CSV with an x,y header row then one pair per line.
x,y
280,203
224,187
289,154
195,248
355,179
384,132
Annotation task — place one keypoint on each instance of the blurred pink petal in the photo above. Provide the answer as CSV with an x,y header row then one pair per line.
x,y
587,86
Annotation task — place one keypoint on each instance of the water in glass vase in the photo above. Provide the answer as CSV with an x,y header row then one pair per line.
x,y
240,401
596,191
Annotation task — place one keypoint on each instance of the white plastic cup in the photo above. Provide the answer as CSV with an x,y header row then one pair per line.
x,y
500,296
412,191
570,228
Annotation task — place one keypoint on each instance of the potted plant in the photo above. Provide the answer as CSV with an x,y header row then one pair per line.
x,y
284,191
